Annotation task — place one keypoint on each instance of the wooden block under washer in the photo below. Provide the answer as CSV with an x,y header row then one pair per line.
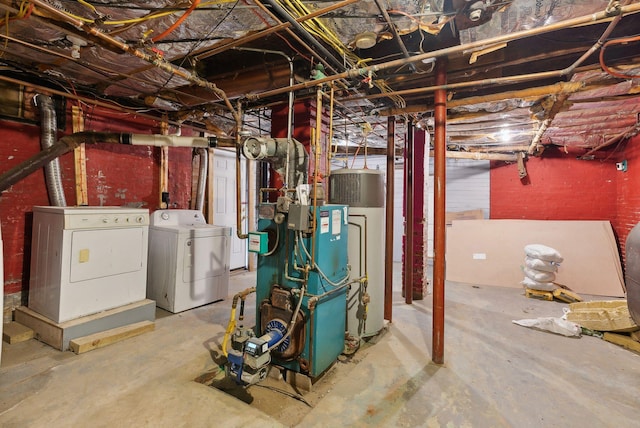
x,y
98,340
15,332
538,294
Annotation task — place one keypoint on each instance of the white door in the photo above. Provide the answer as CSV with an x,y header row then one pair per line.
x,y
224,202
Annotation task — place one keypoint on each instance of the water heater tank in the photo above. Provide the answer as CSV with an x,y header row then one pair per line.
x,y
632,275
357,188
363,191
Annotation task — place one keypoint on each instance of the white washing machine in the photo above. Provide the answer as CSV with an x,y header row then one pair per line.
x,y
86,260
188,260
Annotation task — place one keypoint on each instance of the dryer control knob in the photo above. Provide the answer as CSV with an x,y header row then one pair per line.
x,y
140,219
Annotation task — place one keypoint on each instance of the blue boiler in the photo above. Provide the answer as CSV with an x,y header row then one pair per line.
x,y
304,274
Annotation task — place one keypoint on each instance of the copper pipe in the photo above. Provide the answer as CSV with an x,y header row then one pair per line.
x,y
157,61
92,67
460,49
388,242
239,233
440,141
327,172
93,102
408,216
396,35
559,103
317,151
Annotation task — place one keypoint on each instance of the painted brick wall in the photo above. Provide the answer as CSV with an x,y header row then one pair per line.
x,y
628,193
563,188
116,175
558,187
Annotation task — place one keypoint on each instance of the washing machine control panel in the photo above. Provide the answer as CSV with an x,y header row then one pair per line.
x,y
124,218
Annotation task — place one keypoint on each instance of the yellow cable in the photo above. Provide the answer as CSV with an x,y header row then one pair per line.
x,y
148,17
230,329
89,5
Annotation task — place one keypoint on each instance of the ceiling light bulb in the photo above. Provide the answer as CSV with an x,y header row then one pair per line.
x,y
366,40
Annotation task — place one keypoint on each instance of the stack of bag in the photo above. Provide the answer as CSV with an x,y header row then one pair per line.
x,y
540,267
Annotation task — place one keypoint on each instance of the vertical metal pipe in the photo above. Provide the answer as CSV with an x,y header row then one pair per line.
x,y
440,113
408,216
388,240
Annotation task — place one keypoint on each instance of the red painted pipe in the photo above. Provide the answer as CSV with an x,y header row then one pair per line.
x,y
388,243
408,201
440,140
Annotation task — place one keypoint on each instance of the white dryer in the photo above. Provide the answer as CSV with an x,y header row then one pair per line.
x,y
188,260
86,260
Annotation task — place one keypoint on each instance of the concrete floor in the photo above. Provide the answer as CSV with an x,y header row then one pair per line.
x,y
496,374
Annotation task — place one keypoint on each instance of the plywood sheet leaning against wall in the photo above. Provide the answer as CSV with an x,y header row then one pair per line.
x,y
491,252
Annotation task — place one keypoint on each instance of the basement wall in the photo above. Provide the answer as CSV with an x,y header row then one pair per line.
x,y
116,175
561,187
628,192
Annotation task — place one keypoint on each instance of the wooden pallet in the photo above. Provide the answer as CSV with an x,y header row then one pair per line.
x,y
538,294
622,340
59,335
566,296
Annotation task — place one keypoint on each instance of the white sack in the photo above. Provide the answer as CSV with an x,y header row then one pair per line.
x,y
552,324
542,252
535,285
542,265
538,275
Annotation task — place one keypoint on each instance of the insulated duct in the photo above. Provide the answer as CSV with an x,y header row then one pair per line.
x,y
52,172
70,142
202,178
277,151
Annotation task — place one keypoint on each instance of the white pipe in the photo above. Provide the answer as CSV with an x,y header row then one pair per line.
x,y
168,140
202,178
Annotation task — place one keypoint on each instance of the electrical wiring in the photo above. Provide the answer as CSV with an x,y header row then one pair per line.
x,y
283,392
621,41
176,24
317,268
159,13
297,9
196,45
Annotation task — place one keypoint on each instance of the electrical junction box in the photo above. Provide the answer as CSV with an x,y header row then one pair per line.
x,y
258,242
298,217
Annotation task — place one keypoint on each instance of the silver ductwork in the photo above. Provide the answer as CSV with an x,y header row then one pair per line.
x,y
52,172
202,178
277,151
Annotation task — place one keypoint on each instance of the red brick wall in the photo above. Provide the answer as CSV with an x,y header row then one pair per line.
x,y
563,188
116,175
558,187
628,192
